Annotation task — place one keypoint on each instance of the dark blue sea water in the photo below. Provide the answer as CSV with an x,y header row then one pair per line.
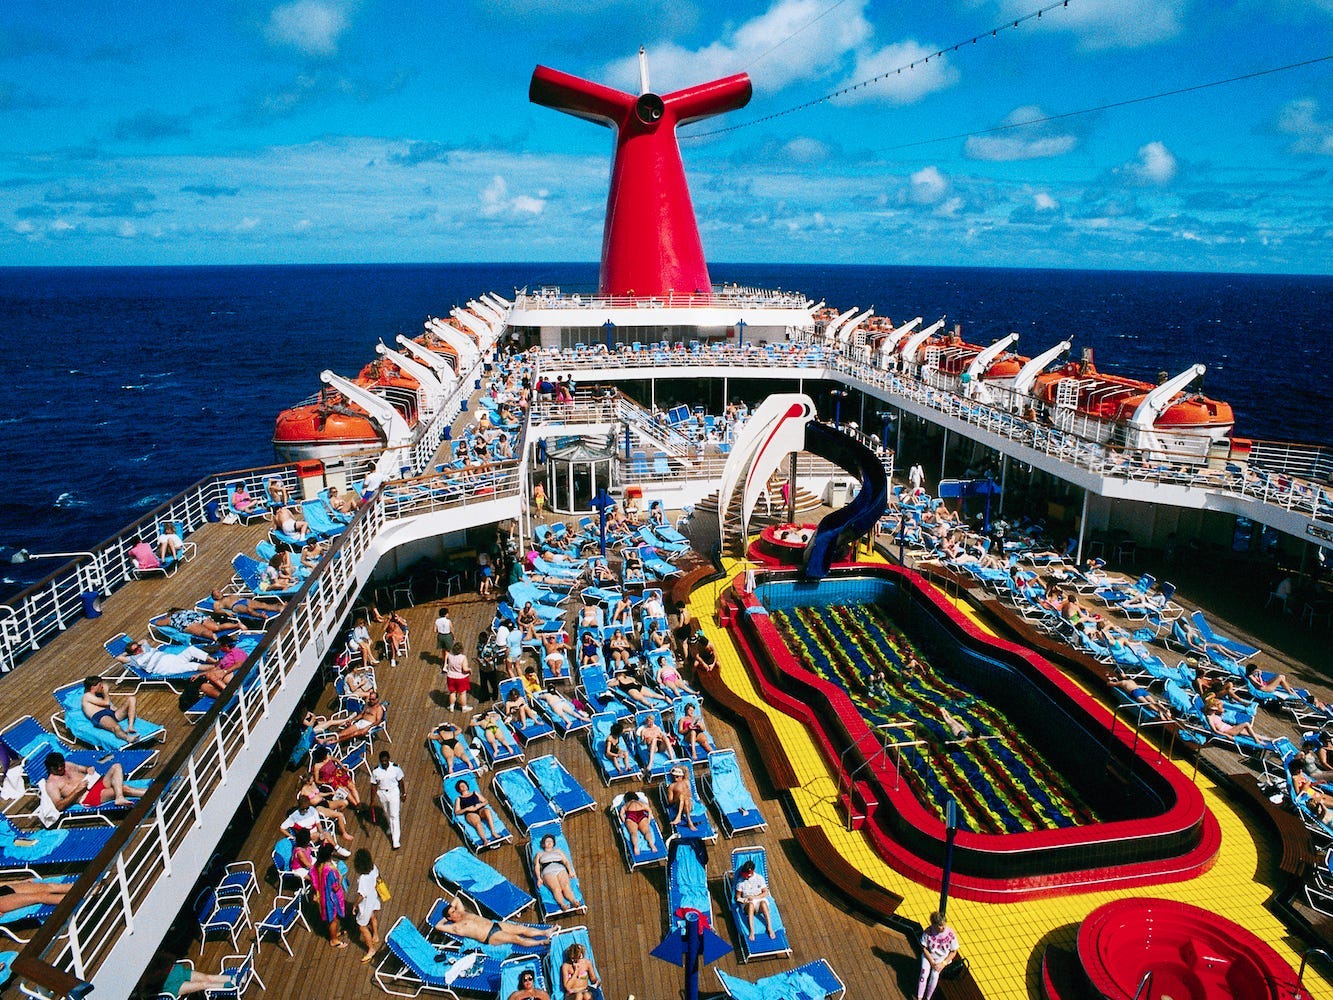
x,y
124,385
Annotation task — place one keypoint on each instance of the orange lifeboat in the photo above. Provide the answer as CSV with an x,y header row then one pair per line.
x,y
331,425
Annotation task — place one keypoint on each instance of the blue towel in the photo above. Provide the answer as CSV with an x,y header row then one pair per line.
x,y
48,842
519,791
461,867
553,778
732,795
690,881
418,954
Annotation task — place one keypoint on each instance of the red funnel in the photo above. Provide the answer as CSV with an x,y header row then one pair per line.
x,y
650,242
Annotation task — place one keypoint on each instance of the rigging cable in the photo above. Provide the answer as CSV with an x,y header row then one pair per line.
x,y
1114,104
818,17
870,81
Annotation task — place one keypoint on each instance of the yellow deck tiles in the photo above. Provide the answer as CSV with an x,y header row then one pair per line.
x,y
1004,942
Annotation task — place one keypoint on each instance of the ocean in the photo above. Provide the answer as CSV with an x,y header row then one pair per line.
x,y
126,385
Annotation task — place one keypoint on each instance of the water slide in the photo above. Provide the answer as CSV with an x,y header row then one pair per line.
x,y
840,528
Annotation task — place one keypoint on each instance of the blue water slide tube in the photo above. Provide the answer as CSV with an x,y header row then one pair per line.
x,y
841,527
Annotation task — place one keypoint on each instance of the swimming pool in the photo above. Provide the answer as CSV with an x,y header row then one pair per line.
x,y
1072,802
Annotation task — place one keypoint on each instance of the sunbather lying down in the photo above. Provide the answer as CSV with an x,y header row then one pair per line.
x,y
1141,694
462,923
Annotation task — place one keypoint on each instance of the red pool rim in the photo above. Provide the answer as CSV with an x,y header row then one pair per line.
x,y
1113,940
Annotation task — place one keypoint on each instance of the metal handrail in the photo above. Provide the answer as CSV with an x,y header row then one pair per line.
x,y
1145,984
1305,958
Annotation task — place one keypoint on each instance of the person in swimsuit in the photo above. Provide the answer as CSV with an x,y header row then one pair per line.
x,y
554,656
331,772
197,623
654,739
105,714
589,651
259,608
625,684
490,726
556,872
619,649
357,725
30,892
528,621
614,749
623,612
670,680
559,706
705,656
446,735
1141,694
462,924
476,811
67,784
184,979
578,978
328,806
691,730
527,984
681,796
517,710
289,524
638,820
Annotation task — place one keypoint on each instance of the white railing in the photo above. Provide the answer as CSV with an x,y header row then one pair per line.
x,y
723,296
48,607
1266,478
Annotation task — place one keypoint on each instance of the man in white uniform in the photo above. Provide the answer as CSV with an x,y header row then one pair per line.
x,y
391,789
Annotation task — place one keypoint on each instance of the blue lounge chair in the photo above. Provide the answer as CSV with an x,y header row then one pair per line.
x,y
509,751
813,981
1238,650
661,467
491,894
639,463
560,942
650,536
769,941
703,826
647,854
687,883
560,723
725,789
598,733
320,520
565,794
72,720
29,915
654,763
596,692
250,574
465,758
413,964
697,754
549,907
258,511
41,849
511,971
466,829
523,798
531,729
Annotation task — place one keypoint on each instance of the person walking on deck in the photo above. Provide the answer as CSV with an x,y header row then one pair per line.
x,y
391,790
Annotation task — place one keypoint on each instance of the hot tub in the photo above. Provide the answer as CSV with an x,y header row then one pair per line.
x,y
1192,953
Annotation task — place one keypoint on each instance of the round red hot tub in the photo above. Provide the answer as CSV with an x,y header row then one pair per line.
x,y
1193,954
782,544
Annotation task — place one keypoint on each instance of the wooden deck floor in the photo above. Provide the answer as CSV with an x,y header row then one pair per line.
x,y
78,652
626,916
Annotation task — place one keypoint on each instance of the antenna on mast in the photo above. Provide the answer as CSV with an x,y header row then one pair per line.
x,y
643,71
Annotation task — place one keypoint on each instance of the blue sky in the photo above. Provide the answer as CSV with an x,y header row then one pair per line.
x,y
361,130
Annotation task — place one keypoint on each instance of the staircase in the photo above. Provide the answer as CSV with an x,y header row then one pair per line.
x,y
807,507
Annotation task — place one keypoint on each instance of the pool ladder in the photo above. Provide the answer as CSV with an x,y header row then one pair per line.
x,y
881,731
1145,984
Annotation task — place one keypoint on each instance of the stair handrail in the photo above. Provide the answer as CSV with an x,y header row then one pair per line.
x,y
1145,984
1305,958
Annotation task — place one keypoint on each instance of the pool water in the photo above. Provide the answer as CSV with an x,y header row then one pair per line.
x,y
1000,782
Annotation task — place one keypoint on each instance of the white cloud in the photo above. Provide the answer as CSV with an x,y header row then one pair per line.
x,y
928,186
803,149
822,40
1022,142
1301,119
1154,166
312,27
495,200
1110,24
903,87
1043,202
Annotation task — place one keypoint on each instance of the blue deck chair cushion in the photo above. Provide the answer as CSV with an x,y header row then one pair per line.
x,y
82,728
687,882
550,907
733,799
493,893
526,802
559,786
